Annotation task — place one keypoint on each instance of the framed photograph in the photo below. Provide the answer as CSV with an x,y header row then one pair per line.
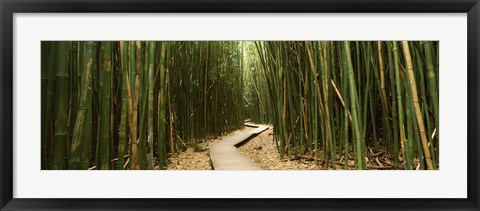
x,y
252,105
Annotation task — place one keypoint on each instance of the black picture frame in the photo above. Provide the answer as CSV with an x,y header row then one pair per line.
x,y
9,7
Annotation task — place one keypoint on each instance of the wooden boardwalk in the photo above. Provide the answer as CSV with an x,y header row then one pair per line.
x,y
226,156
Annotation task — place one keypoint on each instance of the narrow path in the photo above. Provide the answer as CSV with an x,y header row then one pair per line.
x,y
226,156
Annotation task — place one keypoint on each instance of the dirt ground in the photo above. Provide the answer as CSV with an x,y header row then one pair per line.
x,y
260,149
197,158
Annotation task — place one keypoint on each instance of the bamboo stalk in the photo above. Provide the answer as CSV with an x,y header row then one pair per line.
x,y
353,100
122,136
82,139
60,109
421,126
103,149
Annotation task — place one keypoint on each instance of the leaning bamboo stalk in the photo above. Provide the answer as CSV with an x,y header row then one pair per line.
x,y
341,100
416,105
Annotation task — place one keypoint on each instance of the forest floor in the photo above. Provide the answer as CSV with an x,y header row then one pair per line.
x,y
198,157
262,150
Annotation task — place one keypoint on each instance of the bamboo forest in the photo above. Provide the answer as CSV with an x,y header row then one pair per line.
x,y
239,105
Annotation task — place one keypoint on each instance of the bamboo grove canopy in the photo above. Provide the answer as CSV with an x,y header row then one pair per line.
x,y
132,104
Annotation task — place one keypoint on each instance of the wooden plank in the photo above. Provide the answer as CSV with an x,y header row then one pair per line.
x,y
225,156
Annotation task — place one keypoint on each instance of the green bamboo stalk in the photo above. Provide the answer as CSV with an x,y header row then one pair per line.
x,y
417,55
205,91
143,105
432,89
82,137
45,73
122,134
60,109
161,109
410,118
73,89
355,120
325,81
395,117
132,106
151,91
103,144
399,96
